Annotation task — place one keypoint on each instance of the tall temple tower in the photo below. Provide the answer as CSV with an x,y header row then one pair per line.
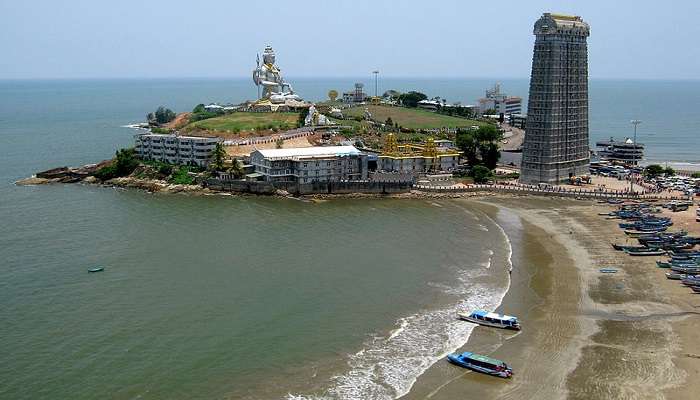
x,y
556,133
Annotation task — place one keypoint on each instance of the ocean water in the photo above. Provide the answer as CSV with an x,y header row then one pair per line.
x,y
224,297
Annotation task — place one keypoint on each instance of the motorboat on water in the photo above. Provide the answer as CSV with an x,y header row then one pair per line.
x,y
96,269
479,363
486,318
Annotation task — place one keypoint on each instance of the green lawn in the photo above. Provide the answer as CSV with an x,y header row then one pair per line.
x,y
412,118
247,121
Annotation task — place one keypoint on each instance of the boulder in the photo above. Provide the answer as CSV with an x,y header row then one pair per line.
x,y
32,181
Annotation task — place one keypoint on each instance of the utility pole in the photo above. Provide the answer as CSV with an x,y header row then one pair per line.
x,y
376,74
634,122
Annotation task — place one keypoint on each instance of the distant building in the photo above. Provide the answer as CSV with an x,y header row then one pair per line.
x,y
444,144
500,102
625,151
518,121
431,105
356,96
176,149
310,164
556,145
214,108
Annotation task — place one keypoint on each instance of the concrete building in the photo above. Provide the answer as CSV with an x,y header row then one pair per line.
x,y
176,149
518,121
356,96
556,135
626,151
310,164
430,105
500,102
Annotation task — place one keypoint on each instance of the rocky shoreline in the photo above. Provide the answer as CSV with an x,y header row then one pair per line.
x,y
137,180
86,175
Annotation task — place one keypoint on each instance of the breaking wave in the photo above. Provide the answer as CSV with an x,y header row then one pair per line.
x,y
387,366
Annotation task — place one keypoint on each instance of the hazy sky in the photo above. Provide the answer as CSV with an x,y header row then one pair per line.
x,y
428,38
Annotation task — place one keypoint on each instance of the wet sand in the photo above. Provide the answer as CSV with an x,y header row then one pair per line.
x,y
587,335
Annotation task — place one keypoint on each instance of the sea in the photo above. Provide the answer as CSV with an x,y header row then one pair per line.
x,y
226,297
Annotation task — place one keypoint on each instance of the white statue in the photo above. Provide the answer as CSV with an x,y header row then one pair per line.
x,y
267,75
367,114
315,118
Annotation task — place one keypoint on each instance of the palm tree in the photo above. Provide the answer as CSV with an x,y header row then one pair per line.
x,y
236,169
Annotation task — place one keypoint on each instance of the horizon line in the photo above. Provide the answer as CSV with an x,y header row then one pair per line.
x,y
307,77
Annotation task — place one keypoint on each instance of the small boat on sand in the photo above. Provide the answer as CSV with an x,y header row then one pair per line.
x,y
486,318
483,364
96,269
649,252
622,247
675,276
608,270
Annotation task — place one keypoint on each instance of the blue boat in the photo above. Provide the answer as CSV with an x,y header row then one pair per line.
x,y
483,364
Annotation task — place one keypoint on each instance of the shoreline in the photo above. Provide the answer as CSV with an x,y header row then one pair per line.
x,y
586,335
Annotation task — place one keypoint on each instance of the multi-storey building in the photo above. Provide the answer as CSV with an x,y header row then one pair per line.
x,y
500,102
176,149
626,151
310,164
556,134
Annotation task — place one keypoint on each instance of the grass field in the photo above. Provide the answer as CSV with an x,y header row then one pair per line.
x,y
412,118
247,121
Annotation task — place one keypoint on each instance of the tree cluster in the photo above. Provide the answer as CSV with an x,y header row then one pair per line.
x,y
464,112
123,164
412,98
199,113
161,116
656,170
480,147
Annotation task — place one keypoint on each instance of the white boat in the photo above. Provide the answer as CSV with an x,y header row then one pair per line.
x,y
486,318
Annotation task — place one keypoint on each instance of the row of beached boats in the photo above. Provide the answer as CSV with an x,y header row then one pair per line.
x,y
478,362
654,239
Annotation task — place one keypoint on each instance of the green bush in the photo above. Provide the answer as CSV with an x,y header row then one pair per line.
x,y
106,173
165,169
123,164
160,131
695,175
181,176
654,170
198,116
481,174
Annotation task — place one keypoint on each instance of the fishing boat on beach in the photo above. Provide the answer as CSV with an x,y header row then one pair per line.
x,y
622,247
486,318
647,252
479,363
675,276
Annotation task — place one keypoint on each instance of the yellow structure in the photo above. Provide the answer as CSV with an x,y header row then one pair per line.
x,y
416,158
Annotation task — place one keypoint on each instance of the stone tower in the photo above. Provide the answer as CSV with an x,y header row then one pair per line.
x,y
556,133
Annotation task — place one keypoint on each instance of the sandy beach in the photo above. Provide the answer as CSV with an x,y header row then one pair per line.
x,y
587,335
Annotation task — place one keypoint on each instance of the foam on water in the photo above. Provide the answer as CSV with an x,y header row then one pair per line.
x,y
387,367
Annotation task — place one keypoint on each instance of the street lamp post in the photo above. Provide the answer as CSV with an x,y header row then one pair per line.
x,y
376,74
634,122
